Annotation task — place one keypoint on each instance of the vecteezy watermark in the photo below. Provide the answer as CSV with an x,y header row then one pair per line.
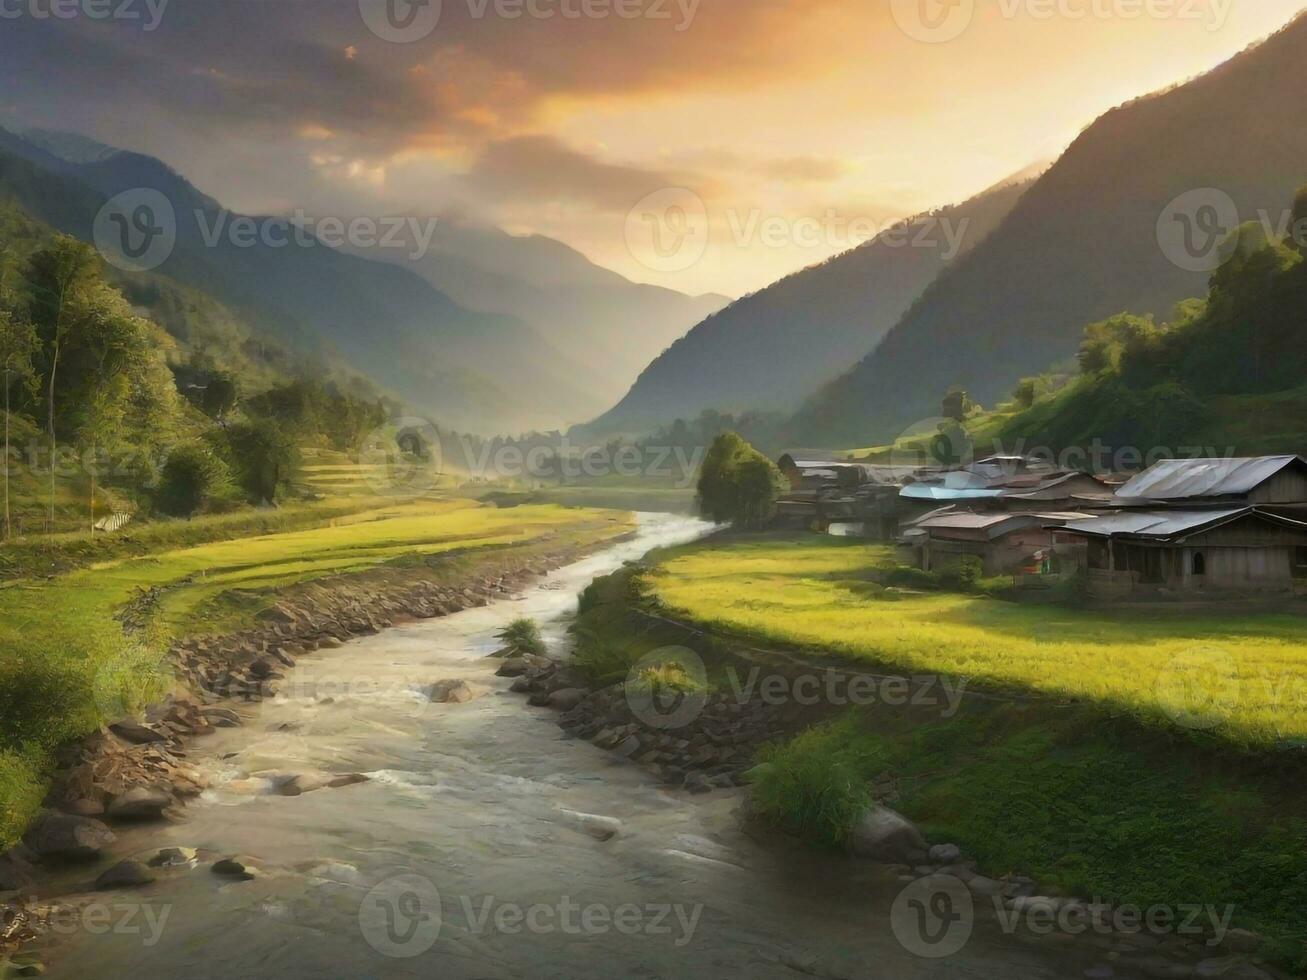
x,y
837,688
940,21
935,917
147,13
1196,230
402,917
667,688
670,230
407,21
403,458
122,917
138,230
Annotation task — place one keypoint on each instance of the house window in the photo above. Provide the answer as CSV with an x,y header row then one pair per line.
x,y
1200,563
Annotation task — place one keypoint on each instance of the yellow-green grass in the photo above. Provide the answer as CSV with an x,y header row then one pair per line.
x,y
1239,675
60,638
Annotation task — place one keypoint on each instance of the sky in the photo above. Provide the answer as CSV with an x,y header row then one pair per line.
x,y
704,145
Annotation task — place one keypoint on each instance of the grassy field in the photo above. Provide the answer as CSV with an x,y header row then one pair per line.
x,y
1089,765
59,633
1238,676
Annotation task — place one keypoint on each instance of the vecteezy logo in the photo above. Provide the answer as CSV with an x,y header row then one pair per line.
x,y
136,231
667,231
402,458
1199,689
1196,230
935,443
667,688
933,21
401,917
933,917
401,21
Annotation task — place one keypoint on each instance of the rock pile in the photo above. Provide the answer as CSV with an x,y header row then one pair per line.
x,y
712,749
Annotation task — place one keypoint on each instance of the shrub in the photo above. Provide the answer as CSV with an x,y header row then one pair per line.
x,y
816,786
192,476
45,698
523,636
965,576
665,678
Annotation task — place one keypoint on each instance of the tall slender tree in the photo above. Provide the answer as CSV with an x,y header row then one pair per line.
x,y
18,348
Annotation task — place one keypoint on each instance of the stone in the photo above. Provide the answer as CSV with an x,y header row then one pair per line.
x,y
174,857
1229,968
239,867
945,853
84,808
567,698
349,779
136,733
125,874
139,803
1242,941
261,669
63,837
450,692
303,783
15,873
697,782
512,667
629,746
1163,969
888,837
521,686
599,827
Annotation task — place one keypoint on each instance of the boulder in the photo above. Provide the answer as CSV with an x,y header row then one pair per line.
x,y
599,827
888,837
450,692
136,733
84,807
513,667
140,803
567,698
349,779
697,782
945,853
63,837
15,873
239,867
521,686
125,874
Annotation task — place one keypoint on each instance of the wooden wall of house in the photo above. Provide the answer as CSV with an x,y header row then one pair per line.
x,y
1289,486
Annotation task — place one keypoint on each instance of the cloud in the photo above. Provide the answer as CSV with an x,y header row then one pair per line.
x,y
543,170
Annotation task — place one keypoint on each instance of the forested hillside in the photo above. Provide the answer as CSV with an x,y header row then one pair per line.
x,y
469,370
768,350
1082,244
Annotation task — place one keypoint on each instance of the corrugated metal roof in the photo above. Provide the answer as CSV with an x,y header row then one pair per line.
x,y
1180,479
927,491
1157,523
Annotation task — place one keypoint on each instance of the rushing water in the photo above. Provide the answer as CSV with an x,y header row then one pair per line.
x,y
472,809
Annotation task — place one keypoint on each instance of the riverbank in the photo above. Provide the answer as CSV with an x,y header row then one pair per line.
x,y
1085,796
185,629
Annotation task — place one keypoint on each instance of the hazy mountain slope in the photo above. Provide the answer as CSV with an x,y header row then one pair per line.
x,y
609,324
1082,244
465,369
769,350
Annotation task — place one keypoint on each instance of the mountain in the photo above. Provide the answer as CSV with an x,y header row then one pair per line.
x,y
769,350
465,369
1083,244
610,325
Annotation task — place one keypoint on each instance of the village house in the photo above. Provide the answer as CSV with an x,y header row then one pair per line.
x,y
1004,543
1188,526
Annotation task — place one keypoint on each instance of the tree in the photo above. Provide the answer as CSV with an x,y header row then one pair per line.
x,y
57,276
191,477
738,484
264,458
18,347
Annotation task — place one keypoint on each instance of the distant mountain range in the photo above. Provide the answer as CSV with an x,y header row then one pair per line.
x,y
1083,244
769,350
472,365
610,325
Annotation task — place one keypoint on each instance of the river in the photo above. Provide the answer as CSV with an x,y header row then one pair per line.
x,y
463,857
